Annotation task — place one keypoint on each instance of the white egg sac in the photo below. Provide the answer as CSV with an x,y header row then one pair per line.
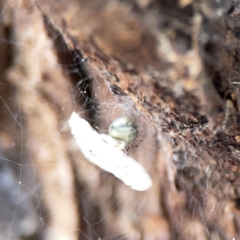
x,y
101,150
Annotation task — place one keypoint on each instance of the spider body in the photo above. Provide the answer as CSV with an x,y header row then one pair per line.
x,y
124,130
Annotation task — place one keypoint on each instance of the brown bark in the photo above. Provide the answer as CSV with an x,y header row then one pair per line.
x,y
171,65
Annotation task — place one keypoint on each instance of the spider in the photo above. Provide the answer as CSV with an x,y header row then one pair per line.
x,y
124,131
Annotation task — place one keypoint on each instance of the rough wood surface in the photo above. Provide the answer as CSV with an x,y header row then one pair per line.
x,y
172,65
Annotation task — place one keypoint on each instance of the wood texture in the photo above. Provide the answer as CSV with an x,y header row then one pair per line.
x,y
172,65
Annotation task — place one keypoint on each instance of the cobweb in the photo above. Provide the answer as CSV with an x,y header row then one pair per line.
x,y
24,212
36,140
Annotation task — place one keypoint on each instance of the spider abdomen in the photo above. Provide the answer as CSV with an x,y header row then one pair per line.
x,y
124,129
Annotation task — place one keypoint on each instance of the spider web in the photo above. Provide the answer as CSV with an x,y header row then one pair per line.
x,y
107,208
24,211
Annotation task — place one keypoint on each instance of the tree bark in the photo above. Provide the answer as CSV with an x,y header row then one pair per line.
x,y
173,66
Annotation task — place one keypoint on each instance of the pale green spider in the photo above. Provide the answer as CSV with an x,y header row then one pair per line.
x,y
124,131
